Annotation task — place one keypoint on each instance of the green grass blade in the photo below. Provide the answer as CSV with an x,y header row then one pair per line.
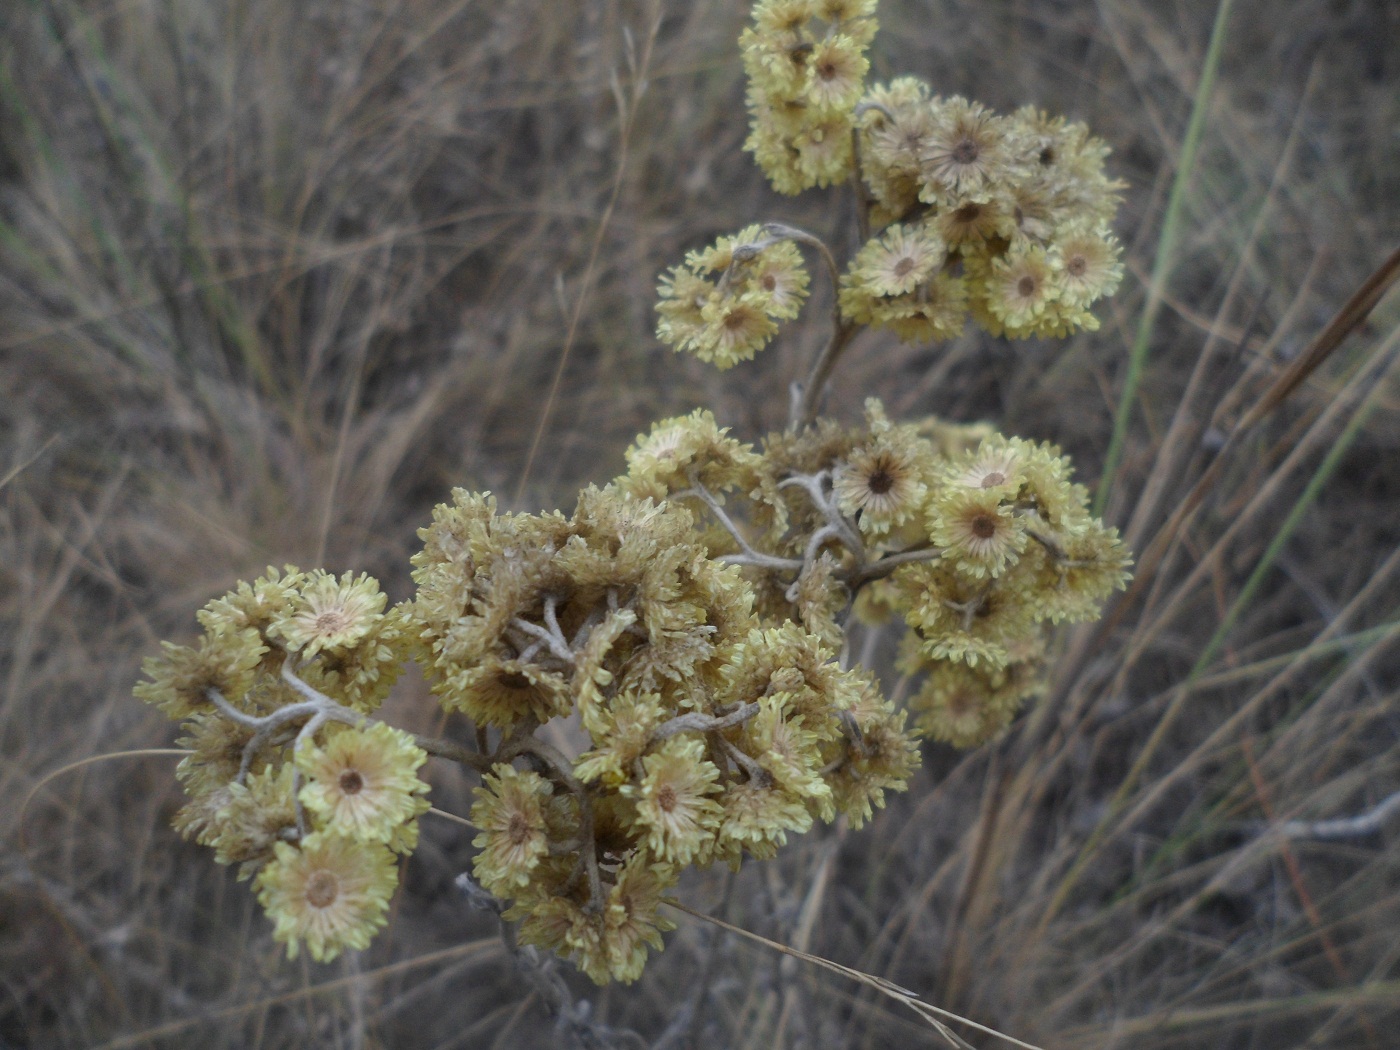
x,y
1165,258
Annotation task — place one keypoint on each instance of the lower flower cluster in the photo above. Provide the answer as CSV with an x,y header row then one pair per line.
x,y
290,779
700,731
660,679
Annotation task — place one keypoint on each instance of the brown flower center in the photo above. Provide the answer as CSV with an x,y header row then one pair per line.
x,y
962,703
518,831
966,151
666,798
351,783
984,526
331,622
968,213
828,70
1077,266
992,479
880,482
514,680
736,320
322,889
1047,156
1026,286
769,282
903,266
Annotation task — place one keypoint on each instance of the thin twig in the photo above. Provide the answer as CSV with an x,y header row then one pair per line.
x,y
556,643
694,720
882,567
1367,823
821,372
454,752
749,555
563,772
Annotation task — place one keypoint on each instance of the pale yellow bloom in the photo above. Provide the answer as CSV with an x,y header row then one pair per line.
x,y
331,892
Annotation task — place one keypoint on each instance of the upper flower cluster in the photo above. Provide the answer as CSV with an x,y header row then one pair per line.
x,y
1003,217
806,66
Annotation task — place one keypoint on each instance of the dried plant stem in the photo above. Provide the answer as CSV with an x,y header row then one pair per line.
x,y
812,389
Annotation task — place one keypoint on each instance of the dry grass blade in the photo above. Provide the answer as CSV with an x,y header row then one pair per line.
x,y
484,948
627,110
1350,317
930,1013
70,767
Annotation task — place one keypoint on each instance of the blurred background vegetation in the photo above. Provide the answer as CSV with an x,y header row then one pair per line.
x,y
274,276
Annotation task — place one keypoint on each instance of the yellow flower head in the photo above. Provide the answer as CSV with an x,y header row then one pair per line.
x,y
883,759
961,617
510,810
621,731
257,605
789,753
836,70
362,782
1020,285
673,807
681,297
757,819
974,222
993,466
611,945
881,481
979,534
966,152
503,692
181,677
778,275
964,705
331,615
252,818
899,260
631,920
333,893
661,462
1088,264
896,123
935,312
1085,567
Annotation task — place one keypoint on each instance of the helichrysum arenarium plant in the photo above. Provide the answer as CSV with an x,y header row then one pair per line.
x,y
694,616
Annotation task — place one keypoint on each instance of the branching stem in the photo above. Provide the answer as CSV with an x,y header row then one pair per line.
x,y
555,642
694,720
562,769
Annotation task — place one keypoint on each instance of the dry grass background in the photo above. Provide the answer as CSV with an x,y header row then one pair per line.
x,y
274,276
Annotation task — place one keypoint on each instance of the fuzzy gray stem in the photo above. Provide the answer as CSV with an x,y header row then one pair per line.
x,y
703,723
749,555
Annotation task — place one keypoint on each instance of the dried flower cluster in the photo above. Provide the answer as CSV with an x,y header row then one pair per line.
x,y
704,731
725,303
287,777
975,541
663,678
1004,219
806,66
